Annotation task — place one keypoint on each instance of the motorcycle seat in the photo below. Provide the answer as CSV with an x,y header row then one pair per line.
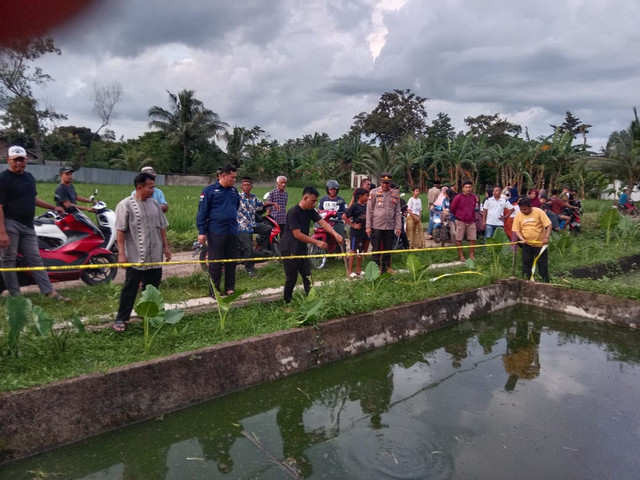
x,y
39,221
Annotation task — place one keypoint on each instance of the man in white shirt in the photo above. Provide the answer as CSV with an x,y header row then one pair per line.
x,y
493,213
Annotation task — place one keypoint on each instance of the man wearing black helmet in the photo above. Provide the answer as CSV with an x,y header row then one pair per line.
x,y
334,202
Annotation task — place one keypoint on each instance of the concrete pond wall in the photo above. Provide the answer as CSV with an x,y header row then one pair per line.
x,y
41,418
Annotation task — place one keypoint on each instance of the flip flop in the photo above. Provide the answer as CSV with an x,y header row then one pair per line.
x,y
119,326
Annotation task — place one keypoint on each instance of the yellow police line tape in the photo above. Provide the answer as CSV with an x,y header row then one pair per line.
x,y
238,260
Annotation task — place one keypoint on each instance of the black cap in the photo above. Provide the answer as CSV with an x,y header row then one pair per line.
x,y
66,170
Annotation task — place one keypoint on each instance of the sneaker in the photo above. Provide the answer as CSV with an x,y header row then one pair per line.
x,y
353,275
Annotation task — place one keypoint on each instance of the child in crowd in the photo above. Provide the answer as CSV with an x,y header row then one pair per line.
x,y
356,217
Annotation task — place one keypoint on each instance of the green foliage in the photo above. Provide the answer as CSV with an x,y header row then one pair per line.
x,y
415,267
497,254
151,309
223,303
609,220
373,277
560,242
307,308
19,313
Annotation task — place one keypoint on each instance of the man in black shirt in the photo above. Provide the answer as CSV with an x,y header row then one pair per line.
x,y
66,195
18,200
295,238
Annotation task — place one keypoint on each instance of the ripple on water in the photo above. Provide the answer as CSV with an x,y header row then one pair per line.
x,y
393,451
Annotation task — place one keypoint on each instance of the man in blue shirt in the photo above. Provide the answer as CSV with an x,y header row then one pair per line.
x,y
218,226
158,196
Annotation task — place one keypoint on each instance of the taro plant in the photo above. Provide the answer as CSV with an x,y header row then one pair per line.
x,y
497,250
21,312
560,241
151,309
415,267
223,303
373,276
308,307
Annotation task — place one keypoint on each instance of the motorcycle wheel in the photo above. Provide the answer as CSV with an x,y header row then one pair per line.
x,y
439,235
316,262
94,276
276,249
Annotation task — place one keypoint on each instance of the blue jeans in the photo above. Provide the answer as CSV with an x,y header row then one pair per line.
x,y
22,239
489,229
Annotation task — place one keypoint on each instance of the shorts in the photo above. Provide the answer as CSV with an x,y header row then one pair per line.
x,y
359,244
468,229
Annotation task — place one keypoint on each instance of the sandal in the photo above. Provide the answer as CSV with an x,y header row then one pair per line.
x,y
119,326
57,296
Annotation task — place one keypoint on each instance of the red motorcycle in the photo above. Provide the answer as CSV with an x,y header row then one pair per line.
x,y
320,233
82,247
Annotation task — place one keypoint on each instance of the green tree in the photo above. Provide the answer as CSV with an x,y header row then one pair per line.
x,y
240,142
187,123
399,114
623,156
496,130
25,121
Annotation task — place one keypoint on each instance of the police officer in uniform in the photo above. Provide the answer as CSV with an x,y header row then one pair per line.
x,y
384,220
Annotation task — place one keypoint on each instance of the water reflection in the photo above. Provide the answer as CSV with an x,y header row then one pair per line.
x,y
522,360
431,407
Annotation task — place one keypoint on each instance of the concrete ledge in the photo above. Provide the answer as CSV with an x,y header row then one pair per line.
x,y
40,418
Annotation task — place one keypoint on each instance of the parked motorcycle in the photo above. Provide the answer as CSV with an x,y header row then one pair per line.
x,y
50,236
441,233
72,240
321,234
574,219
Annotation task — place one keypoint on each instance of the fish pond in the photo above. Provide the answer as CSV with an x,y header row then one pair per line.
x,y
520,393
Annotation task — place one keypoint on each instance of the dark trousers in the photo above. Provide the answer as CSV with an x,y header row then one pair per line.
x,y
219,248
529,253
382,240
292,268
130,289
245,249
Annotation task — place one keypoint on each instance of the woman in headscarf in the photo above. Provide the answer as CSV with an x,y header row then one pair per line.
x,y
534,195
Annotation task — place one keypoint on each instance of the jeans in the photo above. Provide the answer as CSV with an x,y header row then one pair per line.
x,y
489,229
23,239
132,281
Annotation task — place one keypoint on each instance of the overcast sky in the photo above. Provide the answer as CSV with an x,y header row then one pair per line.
x,y
294,67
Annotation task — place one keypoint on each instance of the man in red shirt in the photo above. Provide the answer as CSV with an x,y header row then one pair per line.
x,y
557,206
463,208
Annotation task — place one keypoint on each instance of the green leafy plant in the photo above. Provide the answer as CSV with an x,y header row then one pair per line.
x,y
415,267
560,242
626,231
44,326
373,276
151,309
497,253
21,312
223,303
18,314
308,307
609,220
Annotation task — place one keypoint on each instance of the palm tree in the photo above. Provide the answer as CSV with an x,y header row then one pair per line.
x,y
187,123
623,158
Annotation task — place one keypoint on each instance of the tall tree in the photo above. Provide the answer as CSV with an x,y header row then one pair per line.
x,y
399,114
623,155
105,98
574,126
187,123
239,143
18,75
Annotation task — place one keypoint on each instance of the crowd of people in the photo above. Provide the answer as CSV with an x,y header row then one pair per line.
x,y
377,217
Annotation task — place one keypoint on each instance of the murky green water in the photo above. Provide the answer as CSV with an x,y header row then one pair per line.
x,y
518,394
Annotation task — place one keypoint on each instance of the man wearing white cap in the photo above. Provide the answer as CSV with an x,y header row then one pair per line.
x,y
158,196
18,200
